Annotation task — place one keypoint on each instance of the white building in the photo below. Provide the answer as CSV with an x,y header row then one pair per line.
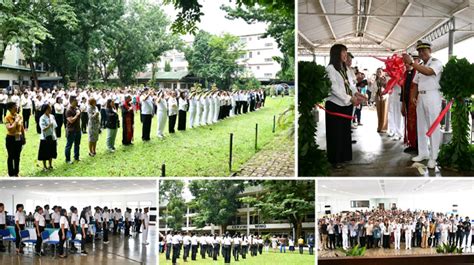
x,y
14,70
257,60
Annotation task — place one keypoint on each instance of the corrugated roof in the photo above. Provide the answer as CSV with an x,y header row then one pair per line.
x,y
379,27
164,75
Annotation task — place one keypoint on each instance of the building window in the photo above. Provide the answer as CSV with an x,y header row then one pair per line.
x,y
268,60
268,44
243,39
250,54
242,56
258,53
268,75
250,38
258,67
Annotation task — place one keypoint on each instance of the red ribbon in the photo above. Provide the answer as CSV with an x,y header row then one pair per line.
x,y
336,113
395,68
438,120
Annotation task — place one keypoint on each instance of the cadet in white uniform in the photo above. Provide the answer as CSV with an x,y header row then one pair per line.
x,y
395,125
192,108
397,232
194,246
409,229
205,109
428,103
162,109
187,246
105,224
145,222
40,224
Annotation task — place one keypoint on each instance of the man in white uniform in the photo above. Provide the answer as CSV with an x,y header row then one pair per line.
x,y
145,221
395,125
428,103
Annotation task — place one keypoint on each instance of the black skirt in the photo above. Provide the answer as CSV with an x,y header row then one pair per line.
x,y
181,120
47,149
338,134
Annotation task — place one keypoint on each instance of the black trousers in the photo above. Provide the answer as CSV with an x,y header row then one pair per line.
x,y
39,239
18,236
175,253
244,251
332,241
61,241
252,105
168,251
84,121
59,120
37,118
106,231
238,107
386,241
127,228
2,227
146,118
370,241
338,134
194,250
236,252
181,120
362,240
171,123
26,118
103,118
216,251
245,106
300,248
14,152
226,253
3,111
186,252
203,251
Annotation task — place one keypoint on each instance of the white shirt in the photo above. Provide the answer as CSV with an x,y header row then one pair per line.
x,y
84,222
63,221
147,105
20,217
58,108
227,241
194,240
56,217
3,218
106,216
172,106
46,215
429,82
338,94
144,217
176,239
3,99
128,216
186,240
98,217
169,238
40,219
183,104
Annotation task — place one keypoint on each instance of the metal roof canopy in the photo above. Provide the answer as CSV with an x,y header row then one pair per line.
x,y
381,27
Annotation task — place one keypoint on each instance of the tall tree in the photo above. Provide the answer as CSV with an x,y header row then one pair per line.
x,y
171,192
216,200
25,23
288,200
213,58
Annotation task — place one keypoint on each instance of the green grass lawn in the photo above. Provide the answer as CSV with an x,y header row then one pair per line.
x,y
203,151
265,259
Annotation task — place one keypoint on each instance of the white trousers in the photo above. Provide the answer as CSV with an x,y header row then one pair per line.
x,y
345,241
397,240
197,118
444,238
408,240
232,111
162,117
217,109
395,121
427,110
192,114
145,235
210,115
204,115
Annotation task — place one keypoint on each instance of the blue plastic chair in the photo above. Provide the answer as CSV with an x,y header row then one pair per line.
x,y
74,241
8,237
25,237
46,241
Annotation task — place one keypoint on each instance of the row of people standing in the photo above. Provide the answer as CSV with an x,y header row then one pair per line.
x,y
76,223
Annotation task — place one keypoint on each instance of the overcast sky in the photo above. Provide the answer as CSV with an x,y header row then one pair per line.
x,y
214,20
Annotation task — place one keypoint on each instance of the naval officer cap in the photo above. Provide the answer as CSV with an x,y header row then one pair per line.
x,y
423,44
415,54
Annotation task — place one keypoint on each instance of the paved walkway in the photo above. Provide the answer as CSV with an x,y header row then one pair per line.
x,y
277,159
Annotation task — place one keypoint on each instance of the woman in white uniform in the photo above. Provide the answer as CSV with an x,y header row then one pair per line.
x,y
217,106
205,109
192,108
40,224
161,113
210,114
20,220
84,223
63,228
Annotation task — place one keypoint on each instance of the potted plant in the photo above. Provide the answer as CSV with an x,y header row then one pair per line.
x,y
457,83
313,87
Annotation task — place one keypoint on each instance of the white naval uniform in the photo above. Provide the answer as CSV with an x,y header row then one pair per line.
x,y
395,121
162,115
146,221
204,108
210,115
192,111
217,105
428,108
444,233
408,235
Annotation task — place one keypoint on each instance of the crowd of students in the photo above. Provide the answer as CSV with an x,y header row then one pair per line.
x,y
380,228
236,245
90,111
103,220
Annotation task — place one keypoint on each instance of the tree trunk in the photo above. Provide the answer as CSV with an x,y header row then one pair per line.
x,y
153,73
223,229
33,72
299,228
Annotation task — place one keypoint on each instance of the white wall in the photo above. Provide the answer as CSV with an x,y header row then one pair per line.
x,y
427,201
